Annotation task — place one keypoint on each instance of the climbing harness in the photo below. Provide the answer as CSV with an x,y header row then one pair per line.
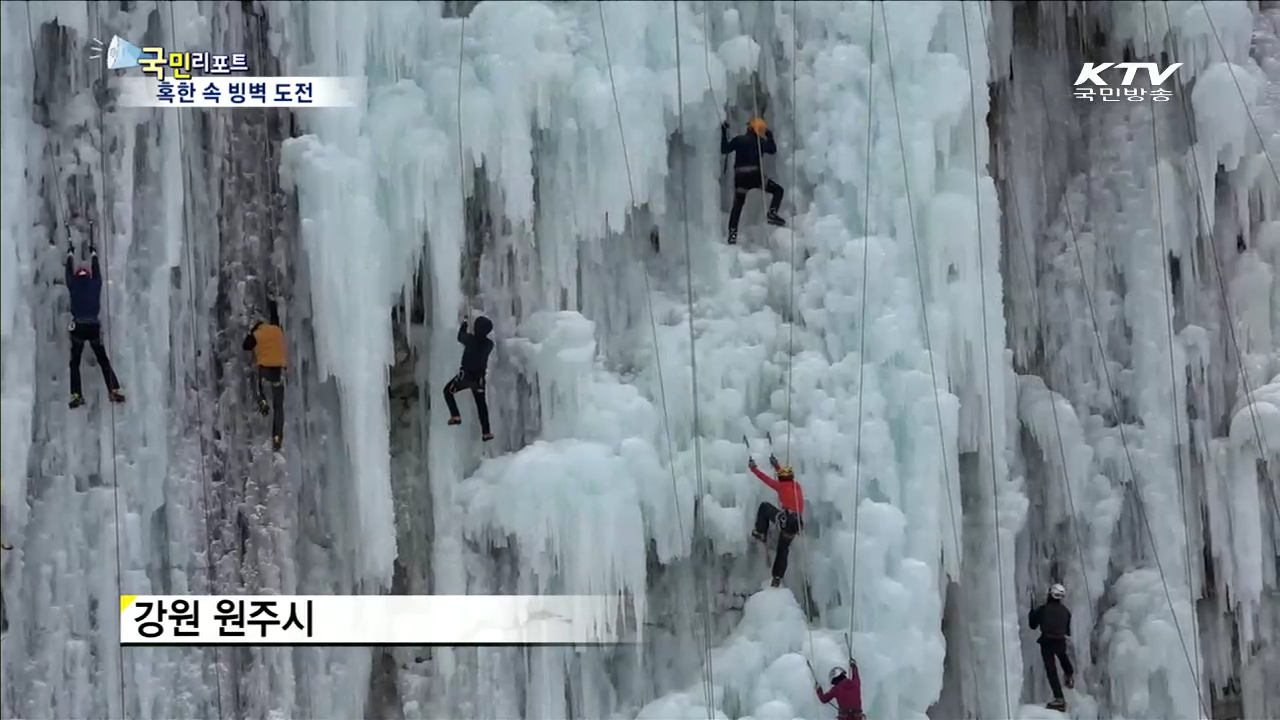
x,y
986,358
62,218
706,649
924,319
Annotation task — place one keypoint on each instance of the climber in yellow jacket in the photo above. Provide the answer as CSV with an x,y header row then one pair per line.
x,y
266,340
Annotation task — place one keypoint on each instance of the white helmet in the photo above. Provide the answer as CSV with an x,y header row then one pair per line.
x,y
835,674
1057,592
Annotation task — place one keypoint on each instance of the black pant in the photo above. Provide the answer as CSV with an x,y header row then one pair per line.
x,y
274,377
89,332
746,180
462,381
789,525
1049,649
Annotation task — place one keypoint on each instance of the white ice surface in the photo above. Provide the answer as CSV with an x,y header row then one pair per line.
x,y
583,504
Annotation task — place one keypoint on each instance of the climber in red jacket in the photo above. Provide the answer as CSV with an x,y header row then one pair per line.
x,y
846,690
791,497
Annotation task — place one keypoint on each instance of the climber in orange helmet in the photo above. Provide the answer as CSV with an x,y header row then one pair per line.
x,y
788,517
748,173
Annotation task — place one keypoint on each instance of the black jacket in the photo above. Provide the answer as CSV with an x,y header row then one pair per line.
x,y
1052,618
86,292
747,147
476,348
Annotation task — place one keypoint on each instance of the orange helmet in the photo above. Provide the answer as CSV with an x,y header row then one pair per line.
x,y
757,125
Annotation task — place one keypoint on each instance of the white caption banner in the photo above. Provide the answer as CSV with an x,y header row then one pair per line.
x,y
197,620
235,91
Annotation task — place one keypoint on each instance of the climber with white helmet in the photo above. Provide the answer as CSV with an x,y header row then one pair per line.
x,y
846,690
749,150
788,517
1053,619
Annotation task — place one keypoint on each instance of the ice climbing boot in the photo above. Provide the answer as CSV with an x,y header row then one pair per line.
x,y
276,442
776,220
733,236
760,536
486,437
117,396
1060,705
455,420
777,582
76,401
1071,682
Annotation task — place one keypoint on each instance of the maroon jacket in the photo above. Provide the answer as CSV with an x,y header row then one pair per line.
x,y
847,693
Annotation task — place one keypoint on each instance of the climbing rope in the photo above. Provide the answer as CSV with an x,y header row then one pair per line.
x,y
693,362
986,356
462,160
924,317
657,351
862,323
210,566
1037,307
693,367
63,218
791,224
791,293
1173,377
706,52
1139,503
1252,121
1263,450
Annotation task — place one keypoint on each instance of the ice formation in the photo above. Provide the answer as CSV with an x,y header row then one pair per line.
x,y
1009,338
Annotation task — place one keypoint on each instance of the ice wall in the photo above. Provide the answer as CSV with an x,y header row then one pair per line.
x,y
175,491
1092,400
1140,230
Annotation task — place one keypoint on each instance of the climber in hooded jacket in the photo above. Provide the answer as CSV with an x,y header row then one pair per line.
x,y
84,285
266,340
846,690
748,171
1053,619
788,517
476,347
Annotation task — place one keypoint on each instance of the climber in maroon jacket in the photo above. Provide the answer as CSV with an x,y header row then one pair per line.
x,y
846,690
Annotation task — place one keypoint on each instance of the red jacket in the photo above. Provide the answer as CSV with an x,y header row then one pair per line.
x,y
847,693
790,493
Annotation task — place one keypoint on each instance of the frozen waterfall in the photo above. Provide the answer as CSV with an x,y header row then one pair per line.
x,y
1009,338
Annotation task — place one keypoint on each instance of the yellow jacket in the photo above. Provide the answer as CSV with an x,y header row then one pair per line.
x,y
268,346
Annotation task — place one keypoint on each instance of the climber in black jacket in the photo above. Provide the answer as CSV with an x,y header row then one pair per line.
x,y
471,376
1054,622
84,285
748,149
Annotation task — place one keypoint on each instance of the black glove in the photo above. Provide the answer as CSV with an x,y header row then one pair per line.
x,y
751,463
724,126
773,460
